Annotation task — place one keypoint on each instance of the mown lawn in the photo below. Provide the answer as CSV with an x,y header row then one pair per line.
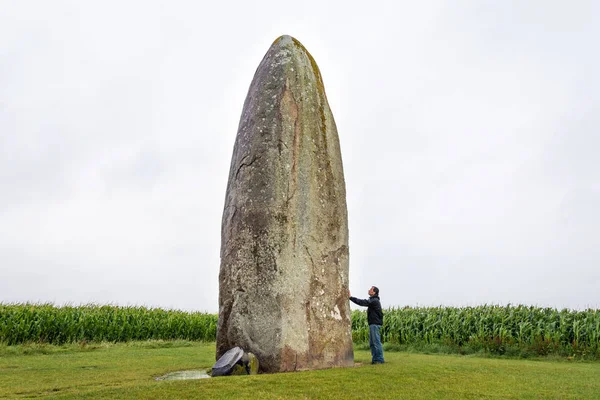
x,y
128,371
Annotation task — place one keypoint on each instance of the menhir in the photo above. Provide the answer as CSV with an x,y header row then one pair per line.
x,y
283,282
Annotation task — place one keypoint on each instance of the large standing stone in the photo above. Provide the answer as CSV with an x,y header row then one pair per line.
x,y
283,284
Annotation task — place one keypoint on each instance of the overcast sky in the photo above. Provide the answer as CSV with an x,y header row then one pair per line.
x,y
470,133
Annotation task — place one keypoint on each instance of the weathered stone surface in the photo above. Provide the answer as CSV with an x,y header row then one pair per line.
x,y
283,281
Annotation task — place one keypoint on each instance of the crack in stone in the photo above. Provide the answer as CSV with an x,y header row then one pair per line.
x,y
310,256
290,196
244,164
281,144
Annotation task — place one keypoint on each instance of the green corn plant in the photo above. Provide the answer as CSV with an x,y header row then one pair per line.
x,y
483,327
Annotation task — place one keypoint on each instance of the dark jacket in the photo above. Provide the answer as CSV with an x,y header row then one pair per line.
x,y
374,312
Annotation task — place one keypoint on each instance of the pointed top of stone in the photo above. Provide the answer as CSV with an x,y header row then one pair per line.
x,y
283,40
287,50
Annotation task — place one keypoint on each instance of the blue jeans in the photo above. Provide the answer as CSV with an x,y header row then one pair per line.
x,y
375,344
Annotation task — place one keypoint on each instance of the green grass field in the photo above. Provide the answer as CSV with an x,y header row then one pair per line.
x,y
128,370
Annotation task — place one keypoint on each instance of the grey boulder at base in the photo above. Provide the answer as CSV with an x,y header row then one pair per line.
x,y
235,362
283,282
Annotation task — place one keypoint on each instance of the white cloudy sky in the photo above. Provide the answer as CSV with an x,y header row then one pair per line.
x,y
469,133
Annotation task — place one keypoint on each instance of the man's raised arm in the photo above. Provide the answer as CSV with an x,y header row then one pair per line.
x,y
360,302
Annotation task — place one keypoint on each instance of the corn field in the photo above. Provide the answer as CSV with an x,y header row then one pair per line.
x,y
490,328
45,323
493,329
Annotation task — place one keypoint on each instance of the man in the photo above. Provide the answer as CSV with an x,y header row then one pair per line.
x,y
375,320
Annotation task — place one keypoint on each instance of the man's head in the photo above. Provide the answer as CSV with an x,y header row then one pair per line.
x,y
374,291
